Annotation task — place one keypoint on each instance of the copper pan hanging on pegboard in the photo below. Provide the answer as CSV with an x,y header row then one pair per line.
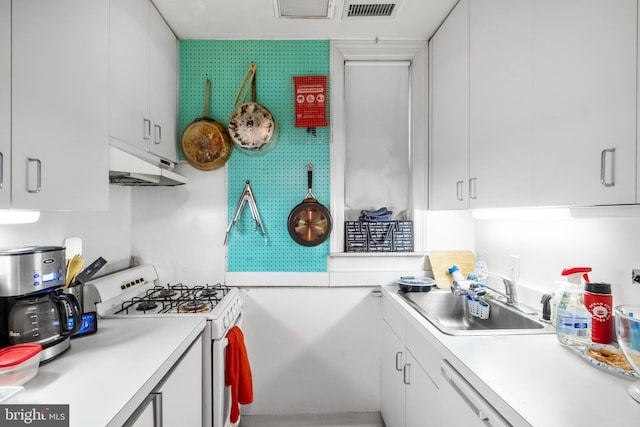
x,y
310,222
206,144
252,127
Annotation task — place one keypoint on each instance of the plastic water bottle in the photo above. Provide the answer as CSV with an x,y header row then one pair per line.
x,y
573,321
481,271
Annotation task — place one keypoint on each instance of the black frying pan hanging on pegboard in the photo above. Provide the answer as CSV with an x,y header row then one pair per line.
x,y
309,223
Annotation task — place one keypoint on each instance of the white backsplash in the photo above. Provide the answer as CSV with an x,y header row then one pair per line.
x,y
106,234
607,240
181,229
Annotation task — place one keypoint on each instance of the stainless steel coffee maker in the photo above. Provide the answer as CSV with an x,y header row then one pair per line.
x,y
33,308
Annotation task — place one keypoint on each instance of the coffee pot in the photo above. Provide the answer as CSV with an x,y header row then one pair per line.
x,y
48,319
33,307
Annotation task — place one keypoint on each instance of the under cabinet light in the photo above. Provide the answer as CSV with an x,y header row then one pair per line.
x,y
524,214
8,216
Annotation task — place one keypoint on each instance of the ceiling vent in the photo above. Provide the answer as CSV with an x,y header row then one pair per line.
x,y
354,9
304,9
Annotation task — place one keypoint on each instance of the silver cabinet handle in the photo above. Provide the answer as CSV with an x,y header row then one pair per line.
x,y
38,175
483,410
157,134
157,408
603,167
1,169
459,190
399,361
472,188
406,374
146,129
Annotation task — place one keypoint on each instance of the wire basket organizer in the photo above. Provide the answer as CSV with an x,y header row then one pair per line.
x,y
384,236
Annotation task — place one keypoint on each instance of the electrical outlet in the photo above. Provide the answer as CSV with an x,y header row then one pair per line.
x,y
514,267
635,275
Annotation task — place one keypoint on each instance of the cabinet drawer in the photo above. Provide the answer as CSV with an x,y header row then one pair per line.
x,y
424,352
393,315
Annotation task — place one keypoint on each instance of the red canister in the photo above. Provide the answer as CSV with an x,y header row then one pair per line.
x,y
599,302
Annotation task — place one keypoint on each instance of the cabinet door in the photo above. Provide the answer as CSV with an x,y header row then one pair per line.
x,y
163,92
449,164
182,391
462,405
5,103
129,64
585,101
392,387
60,63
422,404
501,93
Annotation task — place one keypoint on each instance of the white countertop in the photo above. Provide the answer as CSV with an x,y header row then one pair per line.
x,y
104,377
533,379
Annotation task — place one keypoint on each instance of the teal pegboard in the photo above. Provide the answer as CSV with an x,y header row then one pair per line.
x,y
278,178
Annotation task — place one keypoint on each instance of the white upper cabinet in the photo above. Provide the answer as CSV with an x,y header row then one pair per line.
x,y
163,95
143,86
551,102
59,104
585,101
449,148
5,103
500,112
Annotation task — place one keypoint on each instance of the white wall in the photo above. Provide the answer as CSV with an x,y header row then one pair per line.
x,y
608,240
106,234
181,229
312,350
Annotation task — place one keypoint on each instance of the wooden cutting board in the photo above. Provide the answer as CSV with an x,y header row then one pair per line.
x,y
441,261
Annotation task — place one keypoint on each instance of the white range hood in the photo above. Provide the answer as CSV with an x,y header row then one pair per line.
x,y
128,169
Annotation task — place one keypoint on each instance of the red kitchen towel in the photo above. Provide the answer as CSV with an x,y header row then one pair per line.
x,y
238,372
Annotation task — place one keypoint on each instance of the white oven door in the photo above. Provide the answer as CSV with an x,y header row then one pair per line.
x,y
221,393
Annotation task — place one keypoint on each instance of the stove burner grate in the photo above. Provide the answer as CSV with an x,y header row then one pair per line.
x,y
177,298
194,306
146,305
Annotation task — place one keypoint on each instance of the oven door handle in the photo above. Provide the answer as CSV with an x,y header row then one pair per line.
x,y
222,404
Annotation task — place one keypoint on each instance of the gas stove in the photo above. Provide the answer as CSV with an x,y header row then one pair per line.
x,y
177,298
137,292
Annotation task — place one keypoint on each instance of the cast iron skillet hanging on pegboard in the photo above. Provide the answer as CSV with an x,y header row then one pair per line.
x,y
310,222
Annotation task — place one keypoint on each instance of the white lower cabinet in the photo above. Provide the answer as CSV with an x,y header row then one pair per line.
x,y
419,387
408,394
177,400
422,394
462,404
392,360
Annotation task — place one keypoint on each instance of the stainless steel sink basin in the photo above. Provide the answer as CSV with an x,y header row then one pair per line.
x,y
450,314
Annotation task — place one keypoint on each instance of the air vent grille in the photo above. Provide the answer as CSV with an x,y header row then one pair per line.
x,y
370,10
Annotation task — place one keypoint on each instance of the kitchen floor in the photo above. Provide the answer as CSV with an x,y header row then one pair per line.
x,y
367,419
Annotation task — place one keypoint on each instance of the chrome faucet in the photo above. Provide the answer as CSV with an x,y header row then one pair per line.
x,y
476,290
510,293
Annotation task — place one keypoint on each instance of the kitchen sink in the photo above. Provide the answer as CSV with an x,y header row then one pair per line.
x,y
450,314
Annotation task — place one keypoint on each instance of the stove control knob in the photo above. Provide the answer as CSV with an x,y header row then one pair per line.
x,y
225,321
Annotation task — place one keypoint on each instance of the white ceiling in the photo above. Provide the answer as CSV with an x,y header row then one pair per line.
x,y
256,19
